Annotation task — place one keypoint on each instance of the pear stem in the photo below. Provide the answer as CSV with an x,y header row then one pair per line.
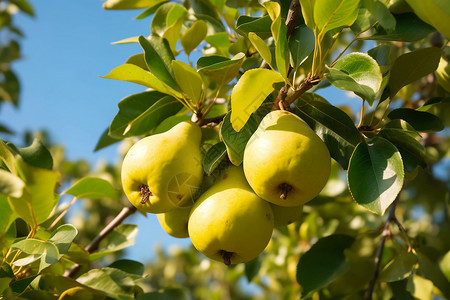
x,y
226,257
285,189
145,193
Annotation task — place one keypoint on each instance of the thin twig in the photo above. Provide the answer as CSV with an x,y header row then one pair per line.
x,y
386,233
93,245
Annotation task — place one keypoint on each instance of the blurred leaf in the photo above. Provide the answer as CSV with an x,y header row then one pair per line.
x,y
421,121
331,14
20,285
252,268
141,113
10,87
214,157
420,287
220,69
323,263
380,11
301,45
412,66
236,141
434,12
46,252
382,56
24,6
62,237
36,155
220,41
138,60
7,157
130,4
166,294
92,188
10,184
429,268
258,25
400,267
445,265
364,21
409,28
375,174
115,283
150,11
80,292
121,237
5,129
193,36
128,266
105,140
77,254
248,94
188,80
132,73
260,46
332,125
359,73
7,217
165,16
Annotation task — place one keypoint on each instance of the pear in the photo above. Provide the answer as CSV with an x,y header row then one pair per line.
x,y
229,222
164,171
285,162
175,222
284,216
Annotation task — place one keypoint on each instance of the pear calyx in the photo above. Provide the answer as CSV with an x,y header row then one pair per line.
x,y
226,257
285,189
145,193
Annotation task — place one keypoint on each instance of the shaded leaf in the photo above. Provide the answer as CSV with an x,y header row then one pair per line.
x,y
421,121
380,11
258,25
220,69
121,237
214,157
105,140
434,12
375,174
249,93
10,184
301,45
400,267
128,266
412,66
323,262
252,268
37,155
166,294
92,188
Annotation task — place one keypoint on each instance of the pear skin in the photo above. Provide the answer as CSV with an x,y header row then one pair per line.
x,y
164,171
175,222
229,222
285,162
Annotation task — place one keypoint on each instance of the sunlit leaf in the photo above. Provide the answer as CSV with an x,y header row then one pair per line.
x,y
92,188
121,237
10,184
130,4
260,46
219,68
308,12
331,14
434,12
379,9
188,79
193,36
249,93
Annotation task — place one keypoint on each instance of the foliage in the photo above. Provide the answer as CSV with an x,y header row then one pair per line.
x,y
225,65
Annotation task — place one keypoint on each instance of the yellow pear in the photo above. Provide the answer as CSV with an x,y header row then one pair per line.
x,y
283,215
285,162
163,171
229,222
175,222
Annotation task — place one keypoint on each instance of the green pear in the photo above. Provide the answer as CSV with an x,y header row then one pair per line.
x,y
283,215
229,222
285,162
175,222
164,171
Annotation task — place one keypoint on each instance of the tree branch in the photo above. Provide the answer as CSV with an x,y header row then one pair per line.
x,y
386,233
93,245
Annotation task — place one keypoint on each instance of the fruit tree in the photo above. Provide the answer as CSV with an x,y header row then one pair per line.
x,y
301,146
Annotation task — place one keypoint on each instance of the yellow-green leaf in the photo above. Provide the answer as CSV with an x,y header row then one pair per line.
x,y
249,93
434,12
260,46
331,14
193,36
130,4
188,79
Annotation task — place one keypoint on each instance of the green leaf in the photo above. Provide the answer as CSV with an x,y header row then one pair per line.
x,y
434,12
236,141
323,263
39,198
252,268
380,11
400,267
213,157
193,36
430,270
364,21
188,79
149,11
7,217
258,25
7,157
121,237
331,124
445,265
421,121
412,66
20,285
128,266
159,59
165,16
46,252
24,6
105,140
37,155
375,174
409,28
141,113
382,55
130,4
10,184
331,14
93,188
359,73
308,12
260,46
220,41
249,93
301,45
132,73
279,31
115,283
166,294
62,237
220,69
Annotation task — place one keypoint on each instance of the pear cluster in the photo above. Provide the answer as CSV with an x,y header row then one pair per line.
x,y
285,165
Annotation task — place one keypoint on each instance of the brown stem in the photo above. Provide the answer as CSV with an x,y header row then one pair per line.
x,y
304,86
214,120
93,245
278,104
145,193
386,233
285,189
226,257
